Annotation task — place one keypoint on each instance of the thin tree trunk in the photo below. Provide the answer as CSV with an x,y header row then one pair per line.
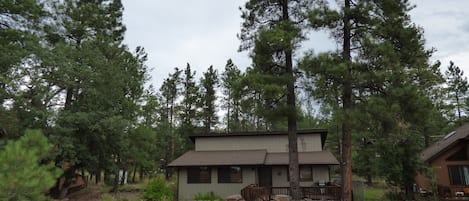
x,y
141,174
106,176
292,134
90,178
134,173
124,176
115,186
171,130
97,176
83,173
346,171
458,106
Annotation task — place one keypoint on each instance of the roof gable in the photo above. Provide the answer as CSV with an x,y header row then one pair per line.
x,y
450,140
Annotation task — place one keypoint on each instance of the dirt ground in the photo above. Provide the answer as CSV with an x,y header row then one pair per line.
x,y
85,194
93,193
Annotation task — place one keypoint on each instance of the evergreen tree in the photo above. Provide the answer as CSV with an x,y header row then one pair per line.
x,y
102,82
26,170
188,106
274,29
230,82
208,113
21,30
382,88
457,88
169,93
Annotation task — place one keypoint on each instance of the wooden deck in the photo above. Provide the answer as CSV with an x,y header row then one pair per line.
x,y
254,193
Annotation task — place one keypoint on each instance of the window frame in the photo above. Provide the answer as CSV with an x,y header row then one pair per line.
x,y
229,179
194,175
459,178
310,170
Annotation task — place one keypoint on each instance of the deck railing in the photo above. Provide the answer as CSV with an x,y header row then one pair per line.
x,y
252,193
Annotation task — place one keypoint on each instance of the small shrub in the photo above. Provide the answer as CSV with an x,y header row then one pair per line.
x,y
394,196
106,197
26,172
210,196
157,190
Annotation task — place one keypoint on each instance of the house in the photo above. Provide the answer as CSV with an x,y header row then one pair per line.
x,y
225,163
449,164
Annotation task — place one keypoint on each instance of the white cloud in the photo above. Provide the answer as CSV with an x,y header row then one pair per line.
x,y
446,29
203,33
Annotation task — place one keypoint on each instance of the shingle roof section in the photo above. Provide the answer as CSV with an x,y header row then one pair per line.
x,y
215,158
250,157
461,133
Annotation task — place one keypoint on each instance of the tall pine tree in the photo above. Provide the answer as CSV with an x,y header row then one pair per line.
x,y
230,82
379,81
457,88
274,29
207,101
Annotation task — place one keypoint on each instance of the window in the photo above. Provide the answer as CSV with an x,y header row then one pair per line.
x,y
459,175
306,173
230,174
198,175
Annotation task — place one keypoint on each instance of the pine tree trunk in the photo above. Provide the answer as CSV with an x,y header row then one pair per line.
x,y
141,174
171,130
83,172
115,186
68,176
346,160
134,173
292,134
97,176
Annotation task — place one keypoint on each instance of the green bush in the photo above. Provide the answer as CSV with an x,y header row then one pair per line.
x,y
24,173
210,196
394,196
157,190
106,197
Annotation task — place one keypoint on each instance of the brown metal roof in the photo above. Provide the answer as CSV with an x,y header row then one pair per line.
x,y
304,158
461,133
250,157
214,158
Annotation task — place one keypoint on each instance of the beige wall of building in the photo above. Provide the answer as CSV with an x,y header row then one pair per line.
x,y
186,192
272,143
279,176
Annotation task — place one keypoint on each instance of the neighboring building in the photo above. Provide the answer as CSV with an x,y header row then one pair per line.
x,y
449,164
225,163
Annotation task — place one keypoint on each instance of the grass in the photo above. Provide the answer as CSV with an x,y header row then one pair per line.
x,y
374,193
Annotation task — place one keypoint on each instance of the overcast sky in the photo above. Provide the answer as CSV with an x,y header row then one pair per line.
x,y
203,33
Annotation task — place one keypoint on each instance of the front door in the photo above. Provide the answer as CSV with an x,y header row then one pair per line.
x,y
265,176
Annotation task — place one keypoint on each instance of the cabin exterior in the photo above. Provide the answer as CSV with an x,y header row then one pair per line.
x,y
227,163
449,165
